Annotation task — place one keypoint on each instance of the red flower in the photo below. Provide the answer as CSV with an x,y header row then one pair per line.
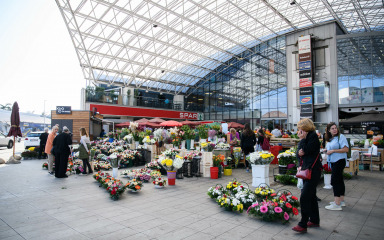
x,y
294,198
160,184
275,204
273,194
295,211
153,182
288,205
113,192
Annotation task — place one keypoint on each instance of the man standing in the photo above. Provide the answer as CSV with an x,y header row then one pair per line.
x,y
276,132
43,141
62,151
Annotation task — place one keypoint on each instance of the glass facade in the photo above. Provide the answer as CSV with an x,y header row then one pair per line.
x,y
361,69
249,88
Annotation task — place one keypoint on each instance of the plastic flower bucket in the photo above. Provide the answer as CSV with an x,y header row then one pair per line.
x,y
214,172
171,177
227,172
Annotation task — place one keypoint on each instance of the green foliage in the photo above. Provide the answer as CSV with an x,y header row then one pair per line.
x,y
203,131
347,176
286,179
188,132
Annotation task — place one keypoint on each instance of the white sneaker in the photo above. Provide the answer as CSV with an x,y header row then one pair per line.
x,y
333,207
342,203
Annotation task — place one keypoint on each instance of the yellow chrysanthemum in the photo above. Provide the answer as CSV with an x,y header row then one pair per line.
x,y
168,162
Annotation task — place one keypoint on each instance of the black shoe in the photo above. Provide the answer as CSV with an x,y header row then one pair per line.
x,y
90,172
318,199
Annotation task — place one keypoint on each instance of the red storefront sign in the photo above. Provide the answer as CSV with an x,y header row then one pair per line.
x,y
305,82
142,112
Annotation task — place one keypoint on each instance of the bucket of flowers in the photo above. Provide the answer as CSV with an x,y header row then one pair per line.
x,y
172,166
327,171
134,185
45,166
159,182
78,168
153,165
286,158
204,146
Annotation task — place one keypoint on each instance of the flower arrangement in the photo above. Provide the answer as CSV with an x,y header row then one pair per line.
x,y
212,133
45,166
155,174
260,158
172,165
202,131
110,134
78,168
327,169
134,185
170,153
147,140
233,197
279,207
188,132
191,155
144,177
159,182
218,160
114,186
128,138
287,157
222,145
204,145
153,165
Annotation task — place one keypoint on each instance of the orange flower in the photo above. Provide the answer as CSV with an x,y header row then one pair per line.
x,y
137,187
222,157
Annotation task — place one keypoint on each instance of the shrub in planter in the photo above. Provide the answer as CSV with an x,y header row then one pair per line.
x,y
286,179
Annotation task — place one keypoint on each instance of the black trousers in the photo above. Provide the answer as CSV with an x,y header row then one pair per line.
x,y
61,164
42,151
337,180
308,200
247,151
86,164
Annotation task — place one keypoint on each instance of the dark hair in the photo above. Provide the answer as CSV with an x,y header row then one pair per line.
x,y
261,132
328,136
247,130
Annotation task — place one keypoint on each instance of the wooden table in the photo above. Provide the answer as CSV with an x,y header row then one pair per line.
x,y
377,160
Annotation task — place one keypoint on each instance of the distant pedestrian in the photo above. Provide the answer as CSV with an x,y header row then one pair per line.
x,y
43,140
248,142
48,149
276,132
84,150
102,133
62,151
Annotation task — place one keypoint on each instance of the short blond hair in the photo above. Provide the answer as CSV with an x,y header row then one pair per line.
x,y
306,124
232,130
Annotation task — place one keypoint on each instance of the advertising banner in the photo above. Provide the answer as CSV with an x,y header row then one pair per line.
x,y
305,65
306,99
305,44
63,110
305,82
305,57
306,91
306,115
305,74
308,108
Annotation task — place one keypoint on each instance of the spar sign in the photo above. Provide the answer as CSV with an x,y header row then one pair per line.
x,y
306,99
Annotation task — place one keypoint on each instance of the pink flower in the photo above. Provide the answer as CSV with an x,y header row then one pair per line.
x,y
286,216
263,209
254,205
278,209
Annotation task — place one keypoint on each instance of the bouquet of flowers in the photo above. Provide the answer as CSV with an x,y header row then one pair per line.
x,y
222,145
327,169
191,155
110,134
115,188
260,158
204,145
78,168
218,160
172,165
134,185
286,158
128,138
159,182
133,126
153,165
171,153
215,192
155,174
147,140
264,192
145,177
45,166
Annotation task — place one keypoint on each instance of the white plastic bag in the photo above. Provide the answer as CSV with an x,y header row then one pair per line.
x,y
300,183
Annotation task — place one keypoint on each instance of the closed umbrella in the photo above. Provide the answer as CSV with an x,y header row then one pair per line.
x,y
171,124
15,124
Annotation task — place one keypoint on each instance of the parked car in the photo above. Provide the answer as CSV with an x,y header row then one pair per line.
x,y
32,139
5,141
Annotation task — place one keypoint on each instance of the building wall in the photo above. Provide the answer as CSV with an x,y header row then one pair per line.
x,y
324,42
80,119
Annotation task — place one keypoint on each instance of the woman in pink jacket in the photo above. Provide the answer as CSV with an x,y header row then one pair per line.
x,y
48,148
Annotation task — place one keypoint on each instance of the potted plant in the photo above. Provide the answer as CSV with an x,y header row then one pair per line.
x,y
172,166
285,159
203,132
260,167
327,171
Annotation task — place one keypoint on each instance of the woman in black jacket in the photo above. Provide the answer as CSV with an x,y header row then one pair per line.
x,y
247,142
62,151
308,153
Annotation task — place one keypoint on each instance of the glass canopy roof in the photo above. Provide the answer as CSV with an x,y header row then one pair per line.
x,y
171,45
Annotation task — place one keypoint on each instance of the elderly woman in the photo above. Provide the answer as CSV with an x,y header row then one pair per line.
x,y
48,148
337,148
308,152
